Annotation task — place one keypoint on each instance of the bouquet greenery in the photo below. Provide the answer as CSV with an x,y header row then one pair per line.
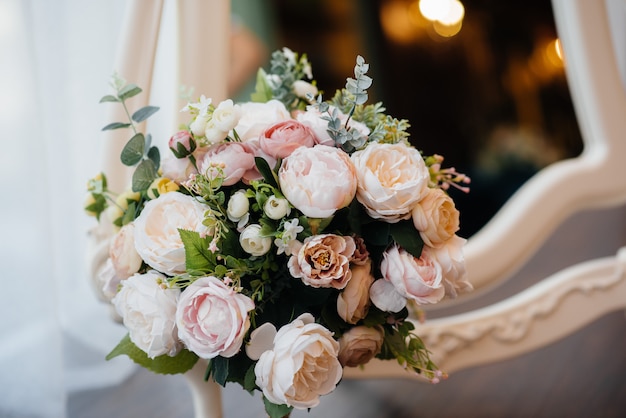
x,y
282,239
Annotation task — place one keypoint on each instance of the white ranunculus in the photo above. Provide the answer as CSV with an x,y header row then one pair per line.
x,y
238,206
157,239
252,242
302,365
276,208
124,257
148,310
212,318
392,178
226,115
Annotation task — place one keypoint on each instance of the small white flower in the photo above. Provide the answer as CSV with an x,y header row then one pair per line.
x,y
276,208
252,242
201,106
289,55
288,242
238,208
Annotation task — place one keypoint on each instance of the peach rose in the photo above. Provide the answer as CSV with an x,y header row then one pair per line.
x,y
392,178
353,301
359,345
436,218
301,366
450,257
212,318
124,257
323,261
281,139
318,181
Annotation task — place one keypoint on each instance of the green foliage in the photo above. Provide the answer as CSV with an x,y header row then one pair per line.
x,y
144,175
197,254
133,151
276,411
262,91
164,364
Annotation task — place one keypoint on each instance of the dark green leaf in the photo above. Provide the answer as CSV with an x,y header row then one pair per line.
x,y
155,156
164,364
133,150
407,237
109,98
197,254
129,215
144,113
276,411
249,382
264,168
144,175
219,370
376,233
128,91
115,125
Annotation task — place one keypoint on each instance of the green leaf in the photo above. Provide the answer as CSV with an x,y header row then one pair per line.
x,y
128,91
407,237
276,411
144,175
376,233
262,91
155,156
144,113
129,214
133,151
115,125
164,364
249,382
264,168
197,254
109,98
219,370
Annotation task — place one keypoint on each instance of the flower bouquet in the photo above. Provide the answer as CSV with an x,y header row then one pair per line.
x,y
281,239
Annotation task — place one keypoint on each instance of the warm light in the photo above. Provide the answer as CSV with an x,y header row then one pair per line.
x,y
559,48
454,15
434,9
447,31
396,22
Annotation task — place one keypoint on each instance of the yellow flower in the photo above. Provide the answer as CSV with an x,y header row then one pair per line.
x,y
161,186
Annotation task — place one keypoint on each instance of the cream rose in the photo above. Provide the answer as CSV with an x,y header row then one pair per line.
x,y
359,345
436,218
124,257
148,309
302,365
212,318
450,258
392,178
323,261
226,115
252,242
257,117
156,230
281,139
318,181
353,301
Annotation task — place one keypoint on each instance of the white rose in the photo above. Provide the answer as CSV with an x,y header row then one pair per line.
x,y
212,318
302,365
148,309
436,218
198,125
359,345
213,134
276,208
252,242
125,259
450,258
392,178
156,230
257,117
226,115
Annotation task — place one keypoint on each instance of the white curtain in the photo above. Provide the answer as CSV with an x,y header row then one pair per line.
x,y
56,57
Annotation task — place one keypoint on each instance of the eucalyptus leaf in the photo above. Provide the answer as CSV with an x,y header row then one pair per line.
x,y
115,125
164,364
133,151
144,175
128,91
144,113
155,156
109,98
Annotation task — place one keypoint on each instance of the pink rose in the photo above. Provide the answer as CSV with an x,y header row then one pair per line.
x,y
419,279
234,158
436,218
212,318
353,302
257,117
281,139
318,181
182,144
450,257
177,169
323,261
